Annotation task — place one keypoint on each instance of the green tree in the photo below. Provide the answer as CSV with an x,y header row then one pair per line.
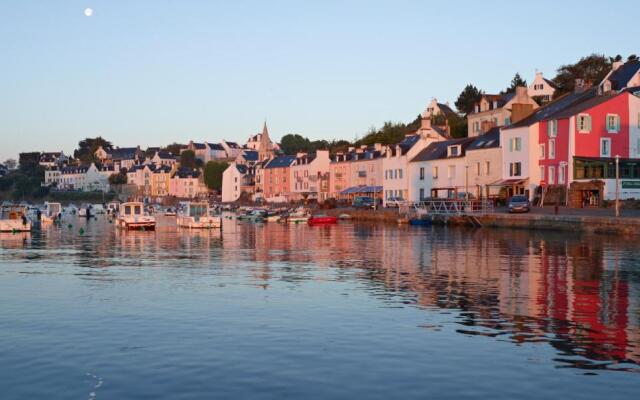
x,y
590,68
174,148
30,163
85,152
213,174
515,82
390,133
188,159
467,99
293,143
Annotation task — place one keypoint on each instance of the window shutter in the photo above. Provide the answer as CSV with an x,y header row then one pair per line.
x,y
555,128
617,123
589,123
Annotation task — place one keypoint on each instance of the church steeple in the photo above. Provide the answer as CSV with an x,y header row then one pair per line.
x,y
265,150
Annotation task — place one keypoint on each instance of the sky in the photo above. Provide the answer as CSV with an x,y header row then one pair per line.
x,y
154,72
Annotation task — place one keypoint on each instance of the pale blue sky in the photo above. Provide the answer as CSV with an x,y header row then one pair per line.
x,y
154,72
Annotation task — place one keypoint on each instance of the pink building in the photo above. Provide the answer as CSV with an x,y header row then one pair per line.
x,y
186,184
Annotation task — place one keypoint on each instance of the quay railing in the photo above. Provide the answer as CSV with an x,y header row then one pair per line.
x,y
452,207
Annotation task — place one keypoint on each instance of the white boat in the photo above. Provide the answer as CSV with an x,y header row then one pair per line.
x,y
97,209
14,219
85,211
52,212
299,216
196,216
132,217
113,207
274,218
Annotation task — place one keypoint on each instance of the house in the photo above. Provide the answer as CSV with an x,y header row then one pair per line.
x,y
439,170
201,150
51,159
439,114
484,164
186,184
578,147
247,157
237,179
395,164
309,172
216,152
622,75
541,89
86,178
496,110
520,145
253,143
339,173
163,157
365,172
160,180
121,157
277,179
232,149
140,176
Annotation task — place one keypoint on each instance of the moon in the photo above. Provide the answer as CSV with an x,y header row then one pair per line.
x,y
88,12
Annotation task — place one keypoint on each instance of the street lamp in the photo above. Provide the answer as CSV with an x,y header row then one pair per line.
x,y
617,185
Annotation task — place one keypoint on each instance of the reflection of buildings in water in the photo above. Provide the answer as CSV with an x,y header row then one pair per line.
x,y
18,240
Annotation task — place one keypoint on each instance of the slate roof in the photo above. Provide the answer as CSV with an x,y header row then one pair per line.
x,y
446,110
583,105
216,146
75,169
242,168
123,153
489,140
438,150
250,155
184,173
280,162
620,77
552,108
233,145
550,83
165,155
199,146
161,169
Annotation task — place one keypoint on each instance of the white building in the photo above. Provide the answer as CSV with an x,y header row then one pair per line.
x,y
542,89
308,171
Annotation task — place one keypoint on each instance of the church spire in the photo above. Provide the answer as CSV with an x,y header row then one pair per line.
x,y
265,150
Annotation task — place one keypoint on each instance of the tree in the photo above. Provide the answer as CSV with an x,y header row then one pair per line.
x,y
30,163
632,57
188,159
174,149
592,68
119,178
467,99
213,174
293,143
85,152
515,82
11,163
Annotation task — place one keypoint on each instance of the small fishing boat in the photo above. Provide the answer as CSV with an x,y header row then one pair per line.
x,y
170,212
52,212
85,211
14,219
132,217
299,216
423,221
274,218
98,209
322,220
344,216
113,207
197,216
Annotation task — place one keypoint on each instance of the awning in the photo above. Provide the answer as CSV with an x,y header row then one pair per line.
x,y
508,182
351,190
362,189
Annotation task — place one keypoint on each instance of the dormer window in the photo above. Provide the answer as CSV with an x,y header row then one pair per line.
x,y
454,151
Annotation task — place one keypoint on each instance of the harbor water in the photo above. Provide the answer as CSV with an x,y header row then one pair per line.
x,y
272,311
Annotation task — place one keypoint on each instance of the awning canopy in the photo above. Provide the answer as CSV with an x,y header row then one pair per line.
x,y
508,182
362,189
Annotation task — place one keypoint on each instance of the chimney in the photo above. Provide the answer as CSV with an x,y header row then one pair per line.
x,y
521,95
578,87
616,65
425,124
377,146
520,111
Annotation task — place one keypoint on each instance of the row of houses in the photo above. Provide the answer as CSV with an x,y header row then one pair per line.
x,y
528,142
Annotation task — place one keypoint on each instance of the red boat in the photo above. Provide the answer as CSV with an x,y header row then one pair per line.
x,y
322,220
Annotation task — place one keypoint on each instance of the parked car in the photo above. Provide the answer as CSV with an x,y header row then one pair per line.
x,y
519,204
394,202
364,202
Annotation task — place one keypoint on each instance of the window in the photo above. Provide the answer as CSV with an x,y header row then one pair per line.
x,y
395,174
451,172
542,172
422,174
561,175
421,194
552,149
552,128
435,172
507,121
487,168
454,151
400,173
613,123
515,144
478,168
552,175
515,169
605,147
542,152
584,123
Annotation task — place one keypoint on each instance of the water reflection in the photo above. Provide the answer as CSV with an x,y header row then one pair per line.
x,y
579,294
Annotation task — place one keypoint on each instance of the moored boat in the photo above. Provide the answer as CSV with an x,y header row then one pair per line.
x,y
132,217
52,212
14,219
197,216
322,220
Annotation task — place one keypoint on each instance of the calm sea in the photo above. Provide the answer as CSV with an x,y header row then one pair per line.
x,y
338,312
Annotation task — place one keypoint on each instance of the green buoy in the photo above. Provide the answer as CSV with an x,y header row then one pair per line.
x,y
81,231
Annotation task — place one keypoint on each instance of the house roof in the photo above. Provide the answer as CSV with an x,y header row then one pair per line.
x,y
184,173
233,145
158,169
50,156
280,162
199,146
242,168
445,109
123,153
215,146
165,155
438,150
75,169
621,76
250,155
489,140
550,83
554,107
583,106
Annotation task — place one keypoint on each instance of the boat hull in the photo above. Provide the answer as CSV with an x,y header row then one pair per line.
x,y
323,220
136,225
14,225
201,223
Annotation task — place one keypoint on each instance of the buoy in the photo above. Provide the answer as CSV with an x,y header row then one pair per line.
x,y
81,231
69,226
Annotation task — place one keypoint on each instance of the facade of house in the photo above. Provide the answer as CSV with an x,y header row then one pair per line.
x,y
237,179
483,158
53,159
308,173
120,157
497,110
86,178
395,165
161,179
277,179
186,183
164,158
232,149
339,174
542,89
